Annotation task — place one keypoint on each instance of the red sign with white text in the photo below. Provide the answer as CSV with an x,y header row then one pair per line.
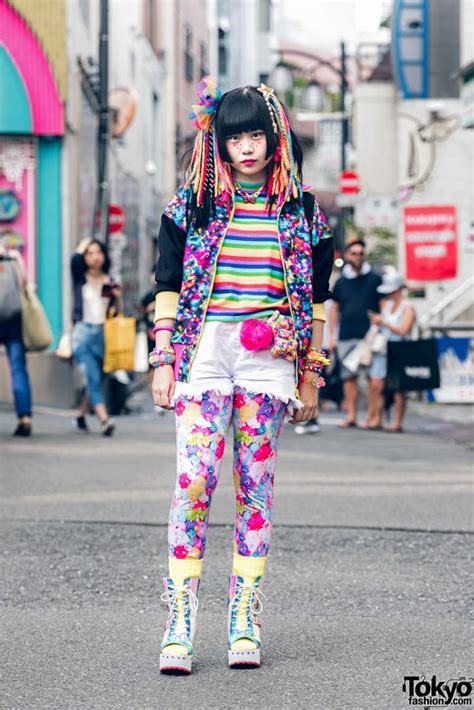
x,y
116,219
430,242
349,182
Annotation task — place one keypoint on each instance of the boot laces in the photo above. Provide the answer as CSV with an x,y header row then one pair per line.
x,y
186,596
255,600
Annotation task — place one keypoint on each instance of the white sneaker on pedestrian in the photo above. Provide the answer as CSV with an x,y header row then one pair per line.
x,y
79,425
107,428
309,427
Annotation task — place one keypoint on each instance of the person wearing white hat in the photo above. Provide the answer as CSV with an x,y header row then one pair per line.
x,y
395,322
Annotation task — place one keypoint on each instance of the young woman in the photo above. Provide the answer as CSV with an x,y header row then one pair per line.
x,y
396,322
94,296
245,259
12,280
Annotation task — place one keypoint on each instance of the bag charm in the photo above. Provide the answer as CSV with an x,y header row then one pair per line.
x,y
277,332
284,342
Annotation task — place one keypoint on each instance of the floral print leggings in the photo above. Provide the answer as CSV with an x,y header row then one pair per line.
x,y
201,426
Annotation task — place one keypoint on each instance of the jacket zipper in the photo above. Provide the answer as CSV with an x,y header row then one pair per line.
x,y
211,290
297,394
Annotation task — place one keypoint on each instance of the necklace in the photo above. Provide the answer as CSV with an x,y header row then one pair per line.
x,y
248,197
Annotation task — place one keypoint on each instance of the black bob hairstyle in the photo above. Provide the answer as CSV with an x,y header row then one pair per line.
x,y
239,111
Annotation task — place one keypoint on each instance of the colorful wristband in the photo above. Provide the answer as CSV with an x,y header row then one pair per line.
x,y
157,329
159,357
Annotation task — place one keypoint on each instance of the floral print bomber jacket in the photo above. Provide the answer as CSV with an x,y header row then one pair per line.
x,y
188,259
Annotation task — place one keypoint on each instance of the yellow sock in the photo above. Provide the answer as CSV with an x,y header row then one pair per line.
x,y
179,570
249,568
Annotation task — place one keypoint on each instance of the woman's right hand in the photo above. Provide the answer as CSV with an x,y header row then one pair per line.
x,y
163,386
82,246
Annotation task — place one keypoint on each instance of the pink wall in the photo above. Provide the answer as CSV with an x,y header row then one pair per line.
x,y
33,66
25,223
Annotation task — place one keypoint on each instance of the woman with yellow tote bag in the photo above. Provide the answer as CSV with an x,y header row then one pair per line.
x,y
95,296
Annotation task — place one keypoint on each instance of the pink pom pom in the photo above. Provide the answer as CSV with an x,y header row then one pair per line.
x,y
256,334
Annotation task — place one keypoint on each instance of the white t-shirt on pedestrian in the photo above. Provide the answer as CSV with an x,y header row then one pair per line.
x,y
94,305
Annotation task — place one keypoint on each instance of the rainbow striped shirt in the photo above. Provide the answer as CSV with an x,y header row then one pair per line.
x,y
249,280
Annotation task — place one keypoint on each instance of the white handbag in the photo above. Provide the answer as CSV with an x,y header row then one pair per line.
x,y
141,352
64,349
359,356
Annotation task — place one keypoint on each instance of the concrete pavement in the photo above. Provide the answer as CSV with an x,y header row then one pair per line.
x,y
368,579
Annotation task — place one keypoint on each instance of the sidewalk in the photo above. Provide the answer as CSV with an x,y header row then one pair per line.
x,y
367,579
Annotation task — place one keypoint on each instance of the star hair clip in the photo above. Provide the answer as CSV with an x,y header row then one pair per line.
x,y
268,94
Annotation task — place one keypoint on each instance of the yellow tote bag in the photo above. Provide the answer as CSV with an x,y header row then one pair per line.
x,y
119,336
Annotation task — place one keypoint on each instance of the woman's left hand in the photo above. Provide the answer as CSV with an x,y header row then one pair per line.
x,y
309,398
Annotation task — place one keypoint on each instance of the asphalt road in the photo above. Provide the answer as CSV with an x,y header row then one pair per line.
x,y
369,576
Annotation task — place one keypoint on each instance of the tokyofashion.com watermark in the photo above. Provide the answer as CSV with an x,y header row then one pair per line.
x,y
438,693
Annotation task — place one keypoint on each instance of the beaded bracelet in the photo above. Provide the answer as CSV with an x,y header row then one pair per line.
x,y
317,382
317,355
159,357
316,360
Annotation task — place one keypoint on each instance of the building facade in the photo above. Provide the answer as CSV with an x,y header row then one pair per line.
x,y
413,149
33,92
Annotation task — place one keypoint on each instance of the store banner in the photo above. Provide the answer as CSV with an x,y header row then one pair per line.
x,y
430,242
456,363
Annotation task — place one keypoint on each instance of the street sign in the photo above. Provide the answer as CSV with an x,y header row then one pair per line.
x,y
349,182
376,211
116,219
343,200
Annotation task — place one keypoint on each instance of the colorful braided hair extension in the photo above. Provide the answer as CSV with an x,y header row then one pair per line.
x,y
284,181
207,172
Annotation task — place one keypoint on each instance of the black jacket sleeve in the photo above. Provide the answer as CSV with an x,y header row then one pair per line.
x,y
78,268
169,268
322,248
323,260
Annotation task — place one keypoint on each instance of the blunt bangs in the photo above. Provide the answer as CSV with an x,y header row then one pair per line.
x,y
242,110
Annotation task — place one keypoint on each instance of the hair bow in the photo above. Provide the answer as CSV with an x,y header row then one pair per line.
x,y
209,95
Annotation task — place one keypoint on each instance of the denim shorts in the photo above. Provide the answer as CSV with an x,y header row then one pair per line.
x,y
376,369
221,364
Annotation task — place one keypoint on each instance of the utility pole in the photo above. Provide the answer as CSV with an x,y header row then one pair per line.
x,y
345,211
344,120
101,217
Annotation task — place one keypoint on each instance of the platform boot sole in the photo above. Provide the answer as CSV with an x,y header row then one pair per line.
x,y
175,664
242,659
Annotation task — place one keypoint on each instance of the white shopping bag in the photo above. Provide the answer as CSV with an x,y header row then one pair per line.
x,y
141,352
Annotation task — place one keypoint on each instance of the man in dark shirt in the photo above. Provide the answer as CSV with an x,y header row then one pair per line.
x,y
354,295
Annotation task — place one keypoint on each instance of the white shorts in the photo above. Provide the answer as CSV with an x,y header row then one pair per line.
x,y
221,364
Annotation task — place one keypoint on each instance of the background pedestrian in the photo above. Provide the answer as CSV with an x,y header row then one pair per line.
x,y
95,296
354,295
147,308
12,280
395,323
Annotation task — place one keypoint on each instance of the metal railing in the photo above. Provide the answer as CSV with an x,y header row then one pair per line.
x,y
436,312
